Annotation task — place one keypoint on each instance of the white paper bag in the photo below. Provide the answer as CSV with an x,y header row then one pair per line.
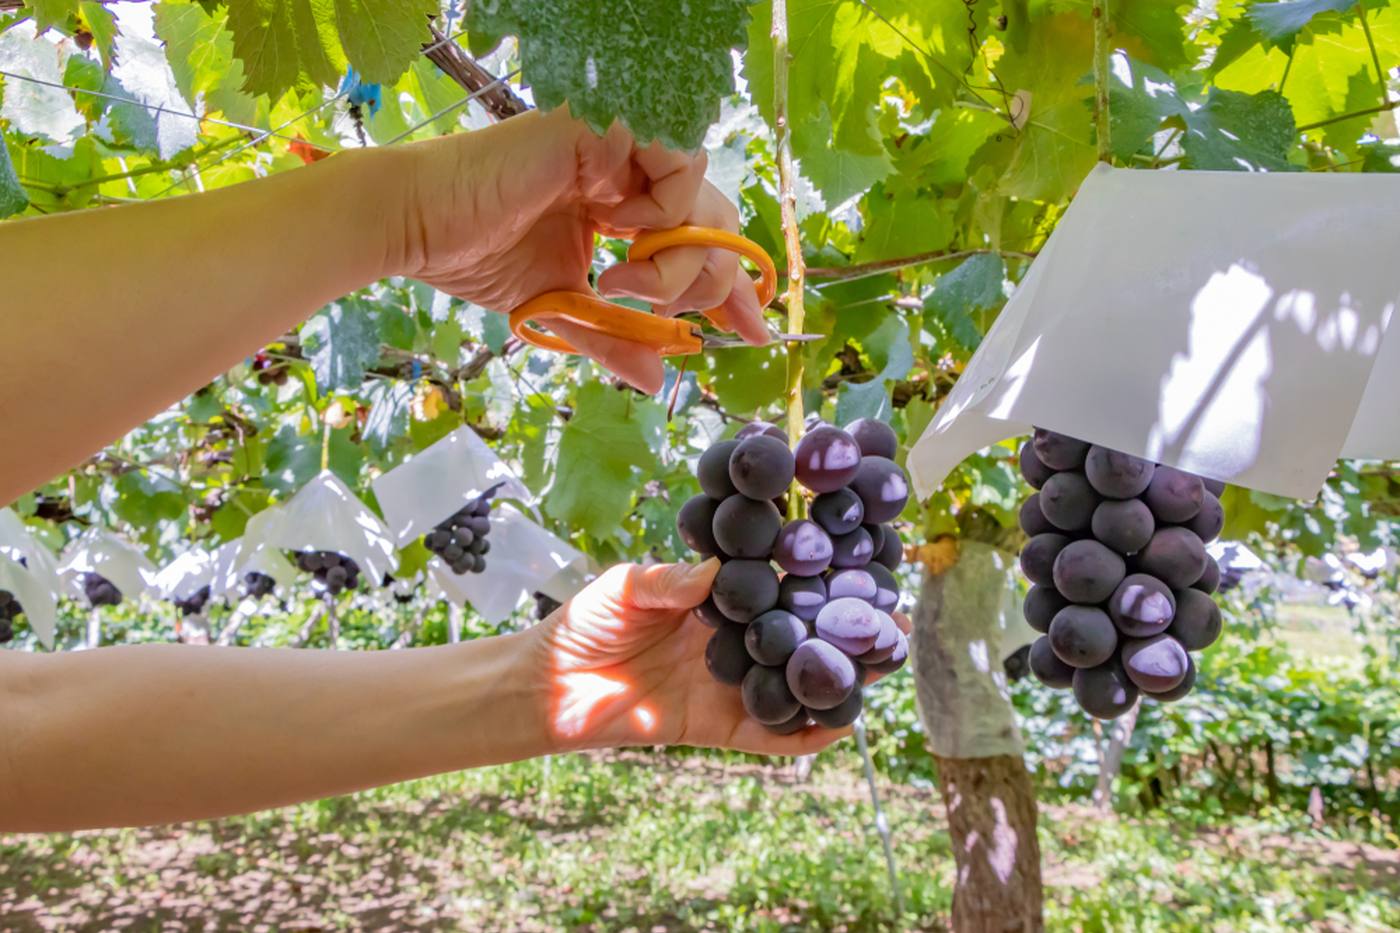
x,y
523,558
231,564
1228,323
435,483
37,597
324,515
99,551
185,575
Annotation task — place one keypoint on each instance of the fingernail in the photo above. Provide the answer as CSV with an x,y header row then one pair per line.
x,y
701,570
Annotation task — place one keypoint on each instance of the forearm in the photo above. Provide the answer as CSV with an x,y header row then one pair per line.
x,y
161,733
159,298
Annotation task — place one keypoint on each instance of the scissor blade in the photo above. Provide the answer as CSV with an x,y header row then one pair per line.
x,y
712,342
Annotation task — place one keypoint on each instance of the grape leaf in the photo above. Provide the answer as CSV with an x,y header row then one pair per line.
x,y
265,40
1154,29
658,66
103,26
902,224
1140,97
1234,132
388,418
199,50
382,37
142,69
1280,22
341,341
836,173
52,12
889,345
748,379
13,198
604,454
975,284
145,499
36,109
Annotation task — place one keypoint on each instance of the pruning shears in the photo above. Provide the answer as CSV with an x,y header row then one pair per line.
x,y
667,336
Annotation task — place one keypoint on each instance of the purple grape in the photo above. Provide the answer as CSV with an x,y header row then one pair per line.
x,y
797,723
761,467
874,437
895,661
877,538
1033,471
1047,667
802,596
839,512
1033,521
1173,495
1104,692
1117,475
1197,623
882,487
1038,557
766,695
695,522
1083,636
1068,501
745,589
1125,525
1141,606
820,675
840,715
1059,451
856,583
1210,578
708,613
726,657
1040,606
1208,522
853,625
891,553
885,642
1213,486
1175,556
803,548
886,587
767,429
1087,572
745,527
827,459
852,550
1181,689
712,470
1157,664
774,636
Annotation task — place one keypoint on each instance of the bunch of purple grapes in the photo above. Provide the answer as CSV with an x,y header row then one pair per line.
x,y
257,584
10,609
460,539
193,603
99,590
1121,581
331,571
799,644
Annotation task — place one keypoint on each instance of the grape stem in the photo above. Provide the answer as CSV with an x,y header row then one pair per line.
x,y
796,266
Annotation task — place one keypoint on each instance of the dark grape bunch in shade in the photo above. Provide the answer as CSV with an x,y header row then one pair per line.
x,y
1120,579
10,609
257,584
99,590
193,603
801,609
461,538
331,572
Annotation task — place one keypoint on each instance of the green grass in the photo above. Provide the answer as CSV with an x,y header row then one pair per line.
x,y
647,841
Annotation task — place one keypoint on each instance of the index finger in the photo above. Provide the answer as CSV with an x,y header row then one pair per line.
x,y
672,186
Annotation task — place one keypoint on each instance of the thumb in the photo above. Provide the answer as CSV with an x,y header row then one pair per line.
x,y
670,586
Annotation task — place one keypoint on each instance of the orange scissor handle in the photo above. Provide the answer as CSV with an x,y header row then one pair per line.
x,y
668,336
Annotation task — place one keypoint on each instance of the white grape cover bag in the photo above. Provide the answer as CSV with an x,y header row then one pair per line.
x,y
1238,325
185,575
230,564
438,481
323,515
29,571
99,551
523,558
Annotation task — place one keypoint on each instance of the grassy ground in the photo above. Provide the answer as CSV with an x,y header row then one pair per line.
x,y
658,842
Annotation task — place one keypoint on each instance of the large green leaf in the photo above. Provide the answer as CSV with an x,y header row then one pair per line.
x,y
52,12
890,348
1281,21
200,51
1240,132
902,224
13,198
1140,97
605,456
749,379
341,342
382,37
974,285
658,66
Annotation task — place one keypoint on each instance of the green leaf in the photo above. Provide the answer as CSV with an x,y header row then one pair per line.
x,y
749,379
888,347
901,225
1153,29
604,458
201,54
1140,97
659,66
974,285
382,37
388,418
13,198
266,42
145,499
1240,132
341,341
836,173
103,26
36,109
495,331
52,12
1280,22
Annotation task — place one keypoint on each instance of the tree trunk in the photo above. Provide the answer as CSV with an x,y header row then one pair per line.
x,y
959,624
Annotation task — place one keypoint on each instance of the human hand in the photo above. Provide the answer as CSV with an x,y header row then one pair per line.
x,y
626,666
503,214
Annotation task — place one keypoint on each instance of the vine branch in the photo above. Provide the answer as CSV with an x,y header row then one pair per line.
x,y
452,61
1101,80
1381,108
863,269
